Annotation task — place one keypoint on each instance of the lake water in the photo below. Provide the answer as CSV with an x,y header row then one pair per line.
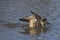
x,y
13,29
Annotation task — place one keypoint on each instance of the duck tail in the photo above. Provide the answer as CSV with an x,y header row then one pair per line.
x,y
32,12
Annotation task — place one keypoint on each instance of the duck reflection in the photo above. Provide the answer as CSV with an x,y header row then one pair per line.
x,y
34,31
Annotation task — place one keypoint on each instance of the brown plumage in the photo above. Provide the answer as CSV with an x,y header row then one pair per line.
x,y
34,21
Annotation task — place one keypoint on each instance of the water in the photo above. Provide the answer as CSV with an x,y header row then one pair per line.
x,y
13,29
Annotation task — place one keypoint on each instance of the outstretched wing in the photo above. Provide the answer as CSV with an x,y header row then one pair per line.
x,y
22,19
26,19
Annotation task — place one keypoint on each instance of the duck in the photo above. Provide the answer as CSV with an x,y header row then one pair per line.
x,y
34,20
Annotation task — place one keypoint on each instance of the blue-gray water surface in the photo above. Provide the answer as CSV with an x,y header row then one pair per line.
x,y
12,10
